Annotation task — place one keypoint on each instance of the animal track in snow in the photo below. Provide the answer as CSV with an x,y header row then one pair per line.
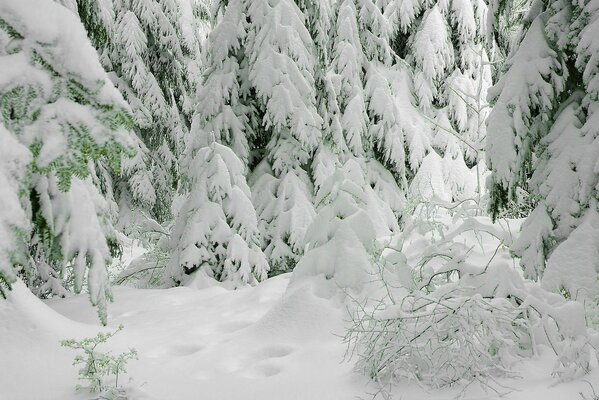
x,y
263,370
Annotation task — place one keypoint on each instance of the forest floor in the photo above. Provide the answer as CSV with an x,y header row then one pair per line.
x,y
276,341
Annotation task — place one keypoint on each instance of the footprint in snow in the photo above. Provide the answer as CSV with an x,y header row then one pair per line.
x,y
262,370
179,350
265,365
276,351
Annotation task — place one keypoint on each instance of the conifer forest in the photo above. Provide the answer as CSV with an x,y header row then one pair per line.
x,y
299,199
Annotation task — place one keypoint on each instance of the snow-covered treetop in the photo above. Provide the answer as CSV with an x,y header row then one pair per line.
x,y
282,62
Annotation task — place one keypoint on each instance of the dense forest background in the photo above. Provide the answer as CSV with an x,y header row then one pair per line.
x,y
436,160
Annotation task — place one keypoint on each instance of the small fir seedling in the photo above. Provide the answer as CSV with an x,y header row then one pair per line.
x,y
100,369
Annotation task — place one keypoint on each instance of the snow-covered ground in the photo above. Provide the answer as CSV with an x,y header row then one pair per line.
x,y
276,341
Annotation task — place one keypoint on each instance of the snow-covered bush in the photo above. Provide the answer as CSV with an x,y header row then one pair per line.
x,y
145,254
100,369
593,396
145,271
453,307
439,341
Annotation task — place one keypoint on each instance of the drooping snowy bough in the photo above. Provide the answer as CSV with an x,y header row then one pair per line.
x,y
61,118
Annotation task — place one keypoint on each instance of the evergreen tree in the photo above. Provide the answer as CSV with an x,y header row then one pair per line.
x,y
285,209
349,181
347,70
151,50
217,229
445,45
341,234
296,93
223,108
341,238
505,20
374,107
58,103
258,97
282,63
542,137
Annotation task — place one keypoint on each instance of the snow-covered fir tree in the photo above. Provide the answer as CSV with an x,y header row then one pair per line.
x,y
350,217
58,103
350,183
542,138
223,105
444,43
216,231
152,51
282,62
342,233
258,97
295,107
371,111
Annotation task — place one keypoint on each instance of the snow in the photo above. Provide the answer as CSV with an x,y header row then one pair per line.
x,y
362,122
253,344
270,342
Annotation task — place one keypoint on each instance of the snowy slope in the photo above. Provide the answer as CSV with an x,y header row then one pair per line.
x,y
270,342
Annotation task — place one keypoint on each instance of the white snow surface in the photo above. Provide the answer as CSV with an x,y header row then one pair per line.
x,y
271,342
